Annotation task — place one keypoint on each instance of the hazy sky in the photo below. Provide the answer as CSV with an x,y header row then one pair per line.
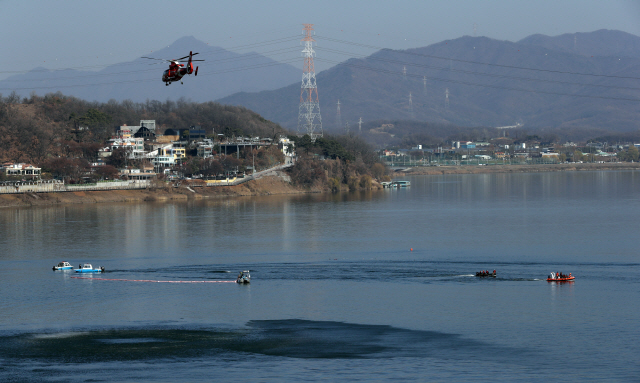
x,y
93,34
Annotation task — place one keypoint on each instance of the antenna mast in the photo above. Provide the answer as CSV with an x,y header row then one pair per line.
x,y
309,120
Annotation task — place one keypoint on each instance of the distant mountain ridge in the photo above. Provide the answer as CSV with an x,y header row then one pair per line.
x,y
602,42
140,80
538,81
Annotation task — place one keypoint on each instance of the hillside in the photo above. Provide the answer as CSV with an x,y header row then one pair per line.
x,y
488,83
140,79
41,127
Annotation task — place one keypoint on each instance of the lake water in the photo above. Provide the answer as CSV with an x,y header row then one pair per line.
x,y
375,286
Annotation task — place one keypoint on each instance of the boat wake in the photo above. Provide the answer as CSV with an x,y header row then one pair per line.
x,y
148,280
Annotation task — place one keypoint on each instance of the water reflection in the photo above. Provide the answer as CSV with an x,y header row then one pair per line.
x,y
488,216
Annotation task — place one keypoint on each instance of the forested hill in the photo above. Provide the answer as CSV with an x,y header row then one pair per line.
x,y
35,128
537,82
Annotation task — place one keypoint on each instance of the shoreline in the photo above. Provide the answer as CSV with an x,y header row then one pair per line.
x,y
260,187
272,185
538,168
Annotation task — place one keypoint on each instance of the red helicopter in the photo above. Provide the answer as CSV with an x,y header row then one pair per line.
x,y
176,70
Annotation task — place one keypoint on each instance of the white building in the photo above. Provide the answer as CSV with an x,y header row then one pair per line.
x,y
21,170
133,146
287,147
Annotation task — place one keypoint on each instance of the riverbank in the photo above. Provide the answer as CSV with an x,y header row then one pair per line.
x,y
475,169
262,186
269,186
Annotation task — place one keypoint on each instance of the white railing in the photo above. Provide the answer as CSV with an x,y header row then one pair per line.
x,y
54,186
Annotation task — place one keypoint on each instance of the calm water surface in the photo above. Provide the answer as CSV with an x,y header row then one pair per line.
x,y
362,286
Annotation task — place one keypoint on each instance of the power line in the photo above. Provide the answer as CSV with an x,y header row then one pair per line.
x,y
251,56
478,62
426,66
204,52
152,79
481,85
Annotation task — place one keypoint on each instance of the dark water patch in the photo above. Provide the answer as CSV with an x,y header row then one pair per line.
x,y
282,338
130,340
326,339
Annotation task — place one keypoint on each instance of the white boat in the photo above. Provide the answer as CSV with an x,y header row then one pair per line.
x,y
63,266
401,184
244,277
87,268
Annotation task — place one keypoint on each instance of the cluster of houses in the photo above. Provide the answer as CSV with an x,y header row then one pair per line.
x,y
162,151
497,150
169,149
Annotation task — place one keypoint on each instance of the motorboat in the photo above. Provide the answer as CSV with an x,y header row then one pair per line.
x,y
87,268
486,274
401,184
244,277
553,277
63,266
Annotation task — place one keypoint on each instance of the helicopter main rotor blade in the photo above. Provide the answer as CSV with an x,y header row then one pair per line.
x,y
151,58
187,56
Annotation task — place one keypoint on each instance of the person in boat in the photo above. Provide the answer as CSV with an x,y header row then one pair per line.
x,y
494,271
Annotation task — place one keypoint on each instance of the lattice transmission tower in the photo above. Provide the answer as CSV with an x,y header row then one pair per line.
x,y
446,99
338,117
309,120
424,89
411,106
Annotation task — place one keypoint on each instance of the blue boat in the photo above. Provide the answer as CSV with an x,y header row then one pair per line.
x,y
87,268
63,266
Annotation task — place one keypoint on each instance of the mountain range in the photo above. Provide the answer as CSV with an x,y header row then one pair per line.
x,y
573,81
139,80
582,80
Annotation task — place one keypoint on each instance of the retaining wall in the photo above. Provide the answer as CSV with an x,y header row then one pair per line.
x,y
54,186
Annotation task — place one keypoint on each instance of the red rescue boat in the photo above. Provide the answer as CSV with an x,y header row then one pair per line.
x,y
553,277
